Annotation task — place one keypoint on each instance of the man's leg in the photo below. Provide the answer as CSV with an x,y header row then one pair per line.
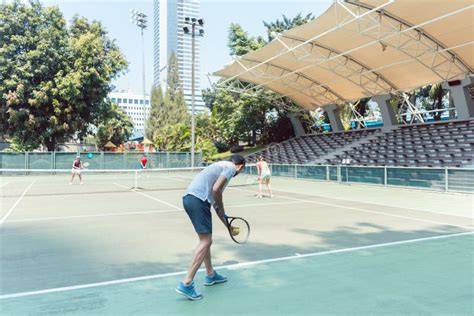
x,y
202,249
208,263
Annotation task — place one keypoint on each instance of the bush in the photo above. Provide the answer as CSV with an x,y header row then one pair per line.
x,y
207,147
236,149
221,146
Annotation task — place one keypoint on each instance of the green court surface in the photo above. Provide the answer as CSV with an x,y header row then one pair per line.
x,y
316,248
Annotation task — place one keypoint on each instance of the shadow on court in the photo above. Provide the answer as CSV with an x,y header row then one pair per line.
x,y
310,254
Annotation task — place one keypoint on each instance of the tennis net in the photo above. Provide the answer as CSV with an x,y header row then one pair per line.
x,y
14,182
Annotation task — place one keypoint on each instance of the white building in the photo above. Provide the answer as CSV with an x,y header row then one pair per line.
x,y
133,104
168,36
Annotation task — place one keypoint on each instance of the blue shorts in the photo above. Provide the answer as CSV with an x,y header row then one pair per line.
x,y
199,212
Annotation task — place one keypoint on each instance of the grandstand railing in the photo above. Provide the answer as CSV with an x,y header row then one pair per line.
x,y
436,179
96,160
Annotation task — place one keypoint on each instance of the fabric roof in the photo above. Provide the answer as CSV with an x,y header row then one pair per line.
x,y
358,49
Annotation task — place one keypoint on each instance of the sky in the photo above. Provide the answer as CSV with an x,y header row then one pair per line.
x,y
218,15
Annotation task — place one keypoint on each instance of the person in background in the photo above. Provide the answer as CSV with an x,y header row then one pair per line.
x,y
144,162
76,169
264,175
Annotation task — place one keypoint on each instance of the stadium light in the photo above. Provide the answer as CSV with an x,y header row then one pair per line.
x,y
140,19
193,29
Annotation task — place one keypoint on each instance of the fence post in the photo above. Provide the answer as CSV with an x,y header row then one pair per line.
x,y
296,171
446,175
167,159
26,160
385,173
339,178
327,172
102,160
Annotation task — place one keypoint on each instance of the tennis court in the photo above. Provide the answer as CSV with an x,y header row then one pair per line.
x,y
315,248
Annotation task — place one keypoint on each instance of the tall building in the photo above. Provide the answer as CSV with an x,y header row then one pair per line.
x,y
168,36
132,104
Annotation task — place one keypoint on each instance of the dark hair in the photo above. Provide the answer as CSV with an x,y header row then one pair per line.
x,y
237,160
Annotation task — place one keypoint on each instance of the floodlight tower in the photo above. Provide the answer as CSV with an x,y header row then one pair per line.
x,y
139,19
196,30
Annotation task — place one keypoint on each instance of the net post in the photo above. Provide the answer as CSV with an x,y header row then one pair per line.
x,y
446,176
296,171
102,160
26,160
327,172
339,177
385,175
136,180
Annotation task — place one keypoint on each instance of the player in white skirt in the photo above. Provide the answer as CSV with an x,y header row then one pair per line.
x,y
264,175
76,169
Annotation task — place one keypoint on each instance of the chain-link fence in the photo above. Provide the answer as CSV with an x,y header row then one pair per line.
x,y
96,160
437,179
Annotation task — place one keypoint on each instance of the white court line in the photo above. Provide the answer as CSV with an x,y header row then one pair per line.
x,y
16,203
5,183
390,187
150,197
367,211
132,213
86,216
229,267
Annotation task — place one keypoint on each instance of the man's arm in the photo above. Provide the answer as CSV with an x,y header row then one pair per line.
x,y
217,193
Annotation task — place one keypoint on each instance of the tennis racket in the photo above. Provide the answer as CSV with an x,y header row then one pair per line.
x,y
251,180
239,229
85,164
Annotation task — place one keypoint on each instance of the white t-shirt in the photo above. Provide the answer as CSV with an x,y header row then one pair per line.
x,y
201,186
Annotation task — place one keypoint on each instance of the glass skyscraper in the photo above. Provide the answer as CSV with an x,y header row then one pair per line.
x,y
168,36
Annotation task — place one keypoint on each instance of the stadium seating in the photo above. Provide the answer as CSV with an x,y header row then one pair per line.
x,y
445,144
440,144
307,148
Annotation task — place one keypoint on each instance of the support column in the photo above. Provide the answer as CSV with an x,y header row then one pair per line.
x,y
296,123
334,118
461,97
388,114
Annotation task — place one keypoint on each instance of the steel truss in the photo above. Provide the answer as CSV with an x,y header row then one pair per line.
x,y
385,30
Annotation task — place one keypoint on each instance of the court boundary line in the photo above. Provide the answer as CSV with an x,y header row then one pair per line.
x,y
230,266
380,204
369,211
16,203
150,197
53,218
86,216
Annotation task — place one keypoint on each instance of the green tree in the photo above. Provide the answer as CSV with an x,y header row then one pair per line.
x,y
154,120
285,24
247,117
53,81
174,96
168,109
117,128
240,43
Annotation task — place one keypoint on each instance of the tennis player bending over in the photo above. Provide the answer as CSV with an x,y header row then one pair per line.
x,y
264,175
206,189
76,169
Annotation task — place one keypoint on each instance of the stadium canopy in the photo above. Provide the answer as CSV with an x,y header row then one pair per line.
x,y
358,49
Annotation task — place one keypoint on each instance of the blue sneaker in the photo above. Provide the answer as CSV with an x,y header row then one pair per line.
x,y
214,279
188,291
